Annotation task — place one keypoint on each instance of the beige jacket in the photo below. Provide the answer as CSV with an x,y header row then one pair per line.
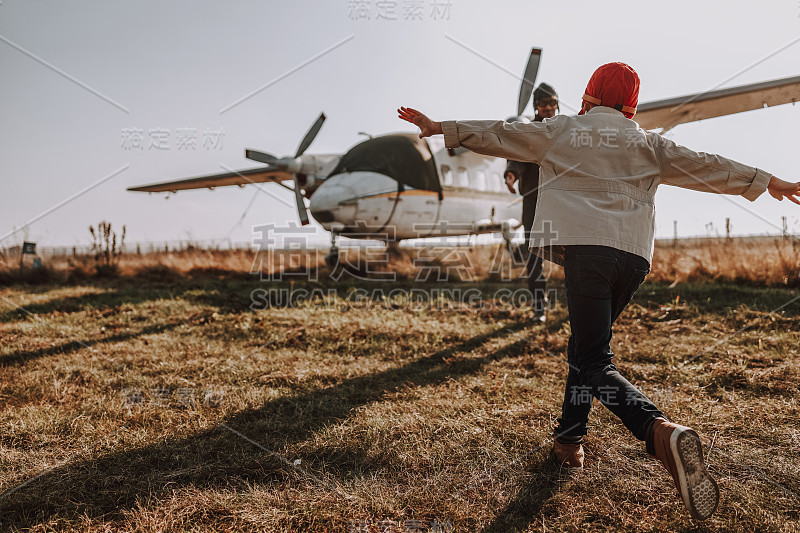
x,y
599,174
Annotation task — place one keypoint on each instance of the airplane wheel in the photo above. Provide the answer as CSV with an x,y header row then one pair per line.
x,y
332,260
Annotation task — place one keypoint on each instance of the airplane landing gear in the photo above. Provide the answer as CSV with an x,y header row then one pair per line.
x,y
332,257
517,255
393,248
510,250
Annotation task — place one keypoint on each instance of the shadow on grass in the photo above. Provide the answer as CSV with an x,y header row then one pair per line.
x,y
75,304
224,295
529,500
108,485
17,358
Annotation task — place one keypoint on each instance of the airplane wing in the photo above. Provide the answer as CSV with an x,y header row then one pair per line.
x,y
669,113
241,178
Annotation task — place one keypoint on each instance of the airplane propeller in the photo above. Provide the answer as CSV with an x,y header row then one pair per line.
x,y
528,80
309,138
291,164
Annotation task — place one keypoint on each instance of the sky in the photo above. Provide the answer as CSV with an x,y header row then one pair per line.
x,y
99,96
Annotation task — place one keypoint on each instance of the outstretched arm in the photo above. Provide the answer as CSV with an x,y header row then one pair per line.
x,y
426,126
518,141
700,171
779,189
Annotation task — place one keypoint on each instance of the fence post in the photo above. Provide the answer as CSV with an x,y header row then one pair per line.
x,y
727,230
785,228
674,233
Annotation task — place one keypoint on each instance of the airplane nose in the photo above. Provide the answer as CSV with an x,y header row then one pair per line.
x,y
334,201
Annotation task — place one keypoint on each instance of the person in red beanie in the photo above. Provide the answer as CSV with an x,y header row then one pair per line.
x,y
595,216
614,85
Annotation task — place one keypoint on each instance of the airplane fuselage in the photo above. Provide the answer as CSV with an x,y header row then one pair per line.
x,y
472,197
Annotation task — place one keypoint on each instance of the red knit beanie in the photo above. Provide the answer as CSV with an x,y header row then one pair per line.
x,y
614,85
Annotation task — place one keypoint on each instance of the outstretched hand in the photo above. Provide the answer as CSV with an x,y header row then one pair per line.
x,y
426,126
511,178
779,189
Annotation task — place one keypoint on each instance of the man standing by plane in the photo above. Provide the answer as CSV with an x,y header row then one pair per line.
x,y
545,102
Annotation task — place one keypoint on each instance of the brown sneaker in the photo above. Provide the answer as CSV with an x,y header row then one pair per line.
x,y
569,457
680,451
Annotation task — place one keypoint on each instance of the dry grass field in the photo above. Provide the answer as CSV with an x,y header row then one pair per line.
x,y
768,261
163,399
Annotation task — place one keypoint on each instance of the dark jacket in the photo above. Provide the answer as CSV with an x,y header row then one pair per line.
x,y
527,178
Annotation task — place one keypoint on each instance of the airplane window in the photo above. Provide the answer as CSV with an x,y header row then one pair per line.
x,y
463,177
447,175
480,180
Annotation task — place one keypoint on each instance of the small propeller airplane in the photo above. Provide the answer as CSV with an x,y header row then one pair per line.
x,y
398,186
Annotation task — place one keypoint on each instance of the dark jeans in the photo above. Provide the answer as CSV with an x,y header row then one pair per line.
x,y
600,282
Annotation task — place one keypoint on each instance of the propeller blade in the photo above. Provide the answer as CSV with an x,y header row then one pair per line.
x,y
301,206
261,157
529,79
309,138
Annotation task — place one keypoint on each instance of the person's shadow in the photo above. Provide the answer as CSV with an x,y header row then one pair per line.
x,y
108,485
544,478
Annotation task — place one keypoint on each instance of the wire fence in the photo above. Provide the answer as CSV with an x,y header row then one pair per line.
x,y
154,247
224,244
